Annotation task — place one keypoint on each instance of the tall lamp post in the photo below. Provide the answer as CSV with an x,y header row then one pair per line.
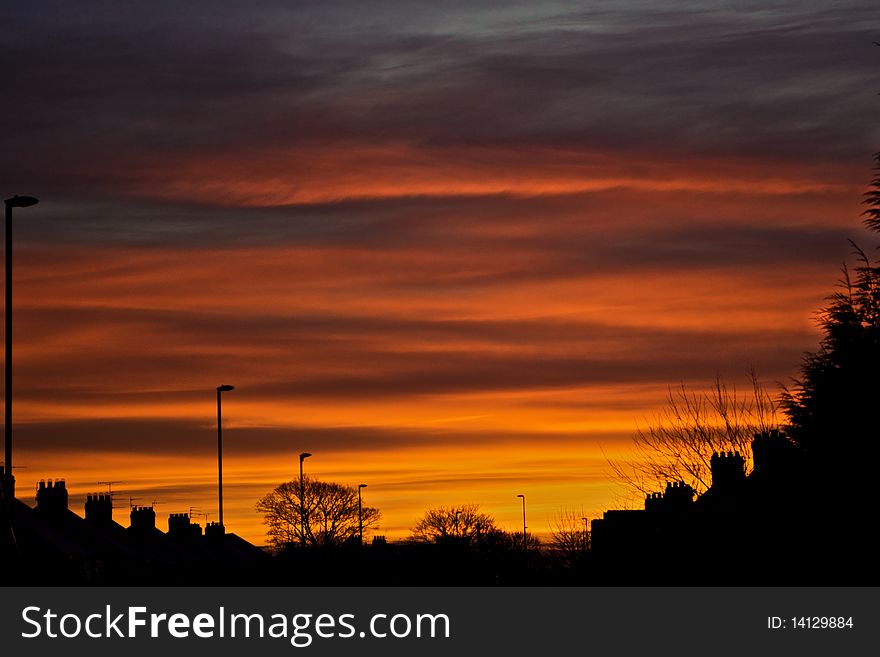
x,y
361,514
220,389
302,499
524,519
8,479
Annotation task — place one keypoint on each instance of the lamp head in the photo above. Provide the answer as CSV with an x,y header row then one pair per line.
x,y
304,456
362,485
522,496
225,388
21,201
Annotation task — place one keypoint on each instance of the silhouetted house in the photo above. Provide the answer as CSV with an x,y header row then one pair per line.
x,y
51,545
747,523
37,550
649,533
216,553
55,545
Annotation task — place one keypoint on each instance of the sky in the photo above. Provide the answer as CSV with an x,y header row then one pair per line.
x,y
456,250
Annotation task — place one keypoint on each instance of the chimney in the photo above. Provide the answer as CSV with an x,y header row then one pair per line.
x,y
52,496
143,518
180,527
214,531
99,510
677,497
728,469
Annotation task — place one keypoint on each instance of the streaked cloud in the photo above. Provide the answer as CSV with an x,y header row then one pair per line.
x,y
452,248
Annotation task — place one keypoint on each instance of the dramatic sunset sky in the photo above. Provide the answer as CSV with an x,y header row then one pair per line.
x,y
456,250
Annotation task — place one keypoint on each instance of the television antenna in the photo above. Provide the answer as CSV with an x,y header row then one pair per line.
x,y
109,485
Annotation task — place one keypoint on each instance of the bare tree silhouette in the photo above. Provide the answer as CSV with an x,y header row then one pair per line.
x,y
331,513
570,537
678,443
464,521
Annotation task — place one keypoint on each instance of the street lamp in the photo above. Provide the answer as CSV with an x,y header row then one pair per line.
x,y
361,513
524,519
14,202
302,499
220,389
457,532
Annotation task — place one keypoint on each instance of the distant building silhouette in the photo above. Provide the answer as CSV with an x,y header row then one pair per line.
x,y
50,545
758,526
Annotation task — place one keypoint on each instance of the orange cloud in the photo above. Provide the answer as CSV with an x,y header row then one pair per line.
x,y
491,350
327,172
